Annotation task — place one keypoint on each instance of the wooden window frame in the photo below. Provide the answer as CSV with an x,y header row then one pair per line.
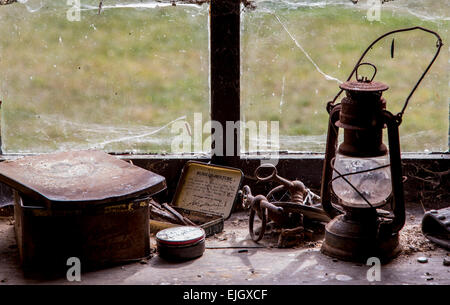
x,y
427,174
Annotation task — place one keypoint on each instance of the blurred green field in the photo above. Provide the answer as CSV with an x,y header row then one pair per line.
x,y
111,81
281,84
119,74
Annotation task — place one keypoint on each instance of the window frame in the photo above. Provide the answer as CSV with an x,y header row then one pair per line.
x,y
225,106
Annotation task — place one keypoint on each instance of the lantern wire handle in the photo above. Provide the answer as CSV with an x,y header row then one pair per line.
x,y
439,45
365,79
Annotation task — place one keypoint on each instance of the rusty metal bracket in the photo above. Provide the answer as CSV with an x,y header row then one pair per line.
x,y
299,203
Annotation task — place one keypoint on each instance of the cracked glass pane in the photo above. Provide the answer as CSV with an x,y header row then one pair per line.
x,y
296,53
114,79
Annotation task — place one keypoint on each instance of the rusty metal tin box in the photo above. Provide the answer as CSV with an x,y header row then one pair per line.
x,y
205,194
83,204
181,243
98,236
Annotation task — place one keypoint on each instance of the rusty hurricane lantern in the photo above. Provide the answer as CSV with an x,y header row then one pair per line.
x,y
362,173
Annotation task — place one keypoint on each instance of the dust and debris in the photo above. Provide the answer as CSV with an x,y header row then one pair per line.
x,y
428,276
313,244
239,220
143,261
5,2
413,241
9,220
6,210
446,261
221,236
301,240
237,234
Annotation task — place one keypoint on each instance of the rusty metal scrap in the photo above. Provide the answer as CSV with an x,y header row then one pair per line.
x,y
166,213
157,212
180,217
300,207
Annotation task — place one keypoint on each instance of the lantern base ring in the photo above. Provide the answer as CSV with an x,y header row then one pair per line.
x,y
357,240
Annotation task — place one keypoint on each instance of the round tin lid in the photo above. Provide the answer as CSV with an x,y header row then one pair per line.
x,y
364,86
180,235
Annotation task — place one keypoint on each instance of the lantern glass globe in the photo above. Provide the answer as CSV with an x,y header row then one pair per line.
x,y
375,185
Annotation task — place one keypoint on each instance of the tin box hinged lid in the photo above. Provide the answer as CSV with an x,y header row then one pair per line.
x,y
208,188
79,177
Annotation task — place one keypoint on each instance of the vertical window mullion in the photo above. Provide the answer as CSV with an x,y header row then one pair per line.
x,y
225,77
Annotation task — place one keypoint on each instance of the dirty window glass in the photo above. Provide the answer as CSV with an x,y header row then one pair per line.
x,y
116,79
295,54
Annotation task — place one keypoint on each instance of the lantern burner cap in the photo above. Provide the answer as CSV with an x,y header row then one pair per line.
x,y
364,86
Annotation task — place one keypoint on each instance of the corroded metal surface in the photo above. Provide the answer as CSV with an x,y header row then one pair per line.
x,y
99,236
299,204
364,86
79,176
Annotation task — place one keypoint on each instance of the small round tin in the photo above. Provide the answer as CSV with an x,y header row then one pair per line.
x,y
181,243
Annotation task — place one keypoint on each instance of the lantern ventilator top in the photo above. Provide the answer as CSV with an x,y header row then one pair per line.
x,y
361,117
363,84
